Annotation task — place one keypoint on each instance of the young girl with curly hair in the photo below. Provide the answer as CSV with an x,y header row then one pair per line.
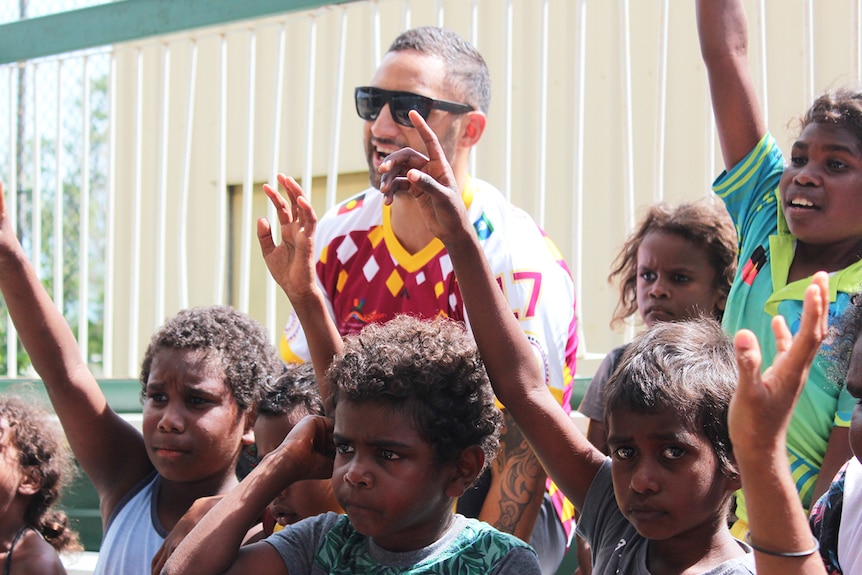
x,y
34,466
677,264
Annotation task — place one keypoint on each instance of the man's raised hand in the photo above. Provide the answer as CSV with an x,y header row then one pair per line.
x,y
291,263
429,179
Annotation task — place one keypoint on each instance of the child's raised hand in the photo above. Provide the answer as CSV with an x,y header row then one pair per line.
x,y
310,447
761,408
429,180
291,263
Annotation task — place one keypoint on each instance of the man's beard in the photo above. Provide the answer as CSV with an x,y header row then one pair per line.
x,y
447,142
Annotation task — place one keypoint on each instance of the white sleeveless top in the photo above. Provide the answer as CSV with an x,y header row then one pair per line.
x,y
850,532
133,534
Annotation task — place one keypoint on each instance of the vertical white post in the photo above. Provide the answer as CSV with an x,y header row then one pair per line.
x,y
628,154
248,182
335,137
135,283
221,178
764,88
375,34
162,203
110,219
273,179
661,122
543,117
84,215
36,216
628,147
182,228
11,192
507,114
808,51
58,193
474,39
578,176
405,15
307,174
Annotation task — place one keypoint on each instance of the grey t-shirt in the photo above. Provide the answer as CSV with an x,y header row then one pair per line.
x,y
593,403
616,545
328,544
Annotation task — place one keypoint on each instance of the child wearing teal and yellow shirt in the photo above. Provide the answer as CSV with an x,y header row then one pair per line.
x,y
793,219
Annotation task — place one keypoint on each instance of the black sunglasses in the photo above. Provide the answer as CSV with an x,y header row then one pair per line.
x,y
369,102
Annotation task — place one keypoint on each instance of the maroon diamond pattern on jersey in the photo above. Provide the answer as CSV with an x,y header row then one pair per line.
x,y
367,285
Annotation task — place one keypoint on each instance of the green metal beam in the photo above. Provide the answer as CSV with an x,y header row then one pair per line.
x,y
126,20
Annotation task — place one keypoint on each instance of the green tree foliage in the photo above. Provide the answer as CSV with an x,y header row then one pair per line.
x,y
71,225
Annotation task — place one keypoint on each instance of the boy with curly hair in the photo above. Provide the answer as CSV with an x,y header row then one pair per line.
x,y
414,426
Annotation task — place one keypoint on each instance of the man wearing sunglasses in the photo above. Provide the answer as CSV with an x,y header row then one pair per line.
x,y
377,259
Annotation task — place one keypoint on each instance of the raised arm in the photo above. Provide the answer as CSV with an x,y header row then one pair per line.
x,y
517,378
723,32
291,264
214,545
110,450
759,415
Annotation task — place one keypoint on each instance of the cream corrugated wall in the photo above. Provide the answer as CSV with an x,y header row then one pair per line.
x,y
599,108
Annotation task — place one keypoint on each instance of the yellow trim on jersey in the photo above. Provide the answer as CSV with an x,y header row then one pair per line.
x,y
414,262
408,261
286,353
557,393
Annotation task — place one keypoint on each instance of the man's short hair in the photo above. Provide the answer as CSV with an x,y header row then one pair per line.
x,y
466,71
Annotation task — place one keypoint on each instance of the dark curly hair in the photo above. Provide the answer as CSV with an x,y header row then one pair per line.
x,y
688,367
843,333
704,223
42,452
430,370
841,107
238,341
296,388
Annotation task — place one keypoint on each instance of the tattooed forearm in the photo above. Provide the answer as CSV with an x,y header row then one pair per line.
x,y
520,479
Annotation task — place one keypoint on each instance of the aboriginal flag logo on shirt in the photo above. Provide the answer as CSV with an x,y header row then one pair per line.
x,y
351,204
753,266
